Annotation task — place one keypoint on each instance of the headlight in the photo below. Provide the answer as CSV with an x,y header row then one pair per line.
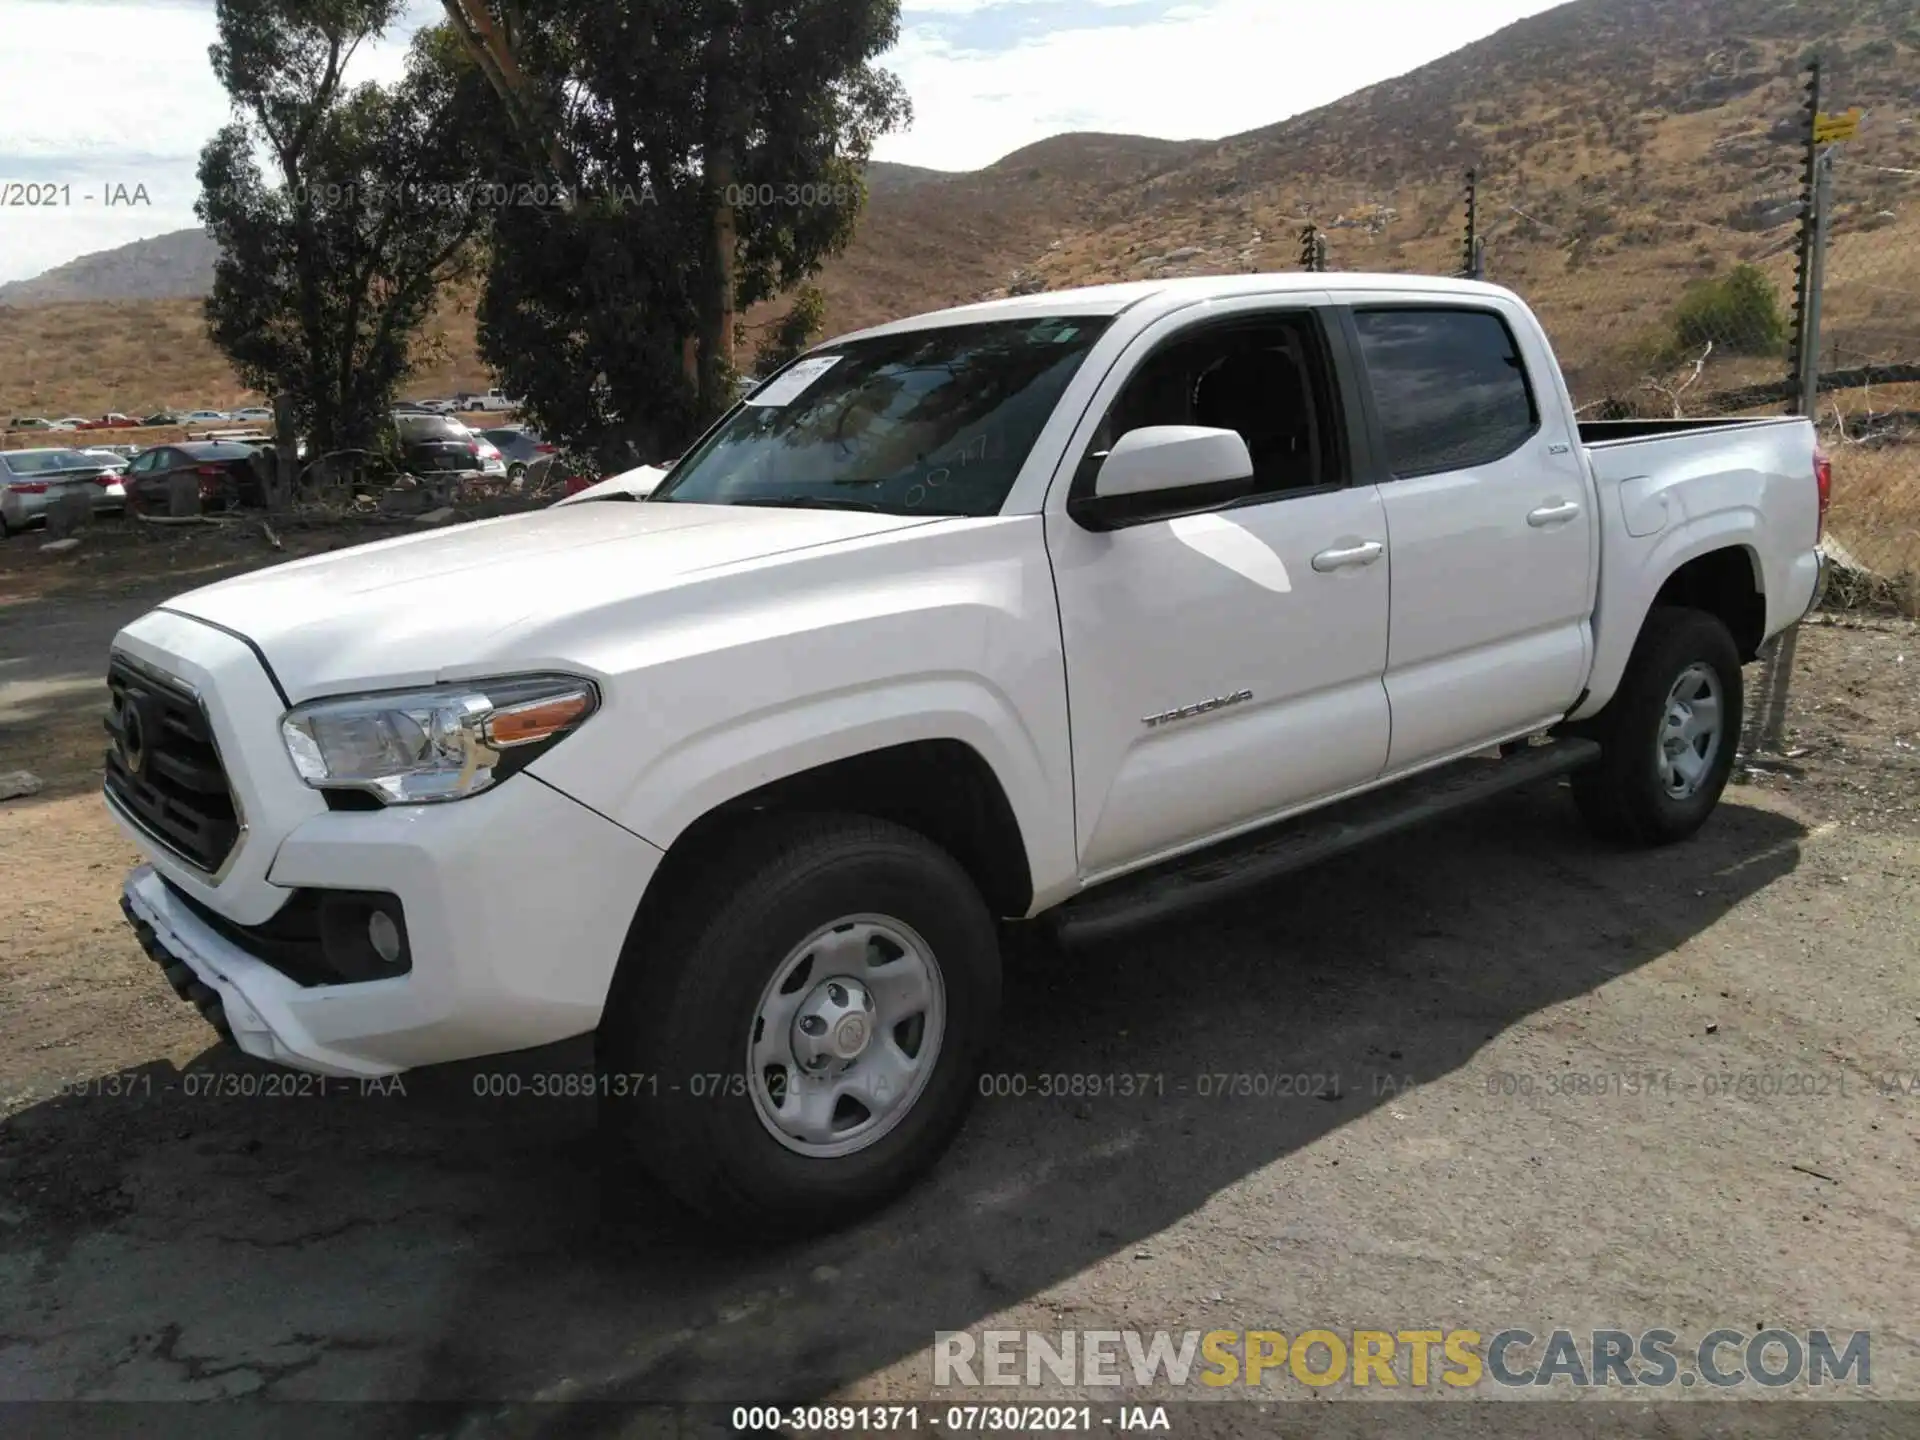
x,y
413,746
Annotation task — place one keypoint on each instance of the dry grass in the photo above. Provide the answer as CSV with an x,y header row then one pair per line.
x,y
1876,506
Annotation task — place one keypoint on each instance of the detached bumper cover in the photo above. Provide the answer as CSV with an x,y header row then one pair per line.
x,y
517,904
236,992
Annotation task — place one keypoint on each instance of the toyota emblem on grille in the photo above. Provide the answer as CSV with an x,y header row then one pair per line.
x,y
132,738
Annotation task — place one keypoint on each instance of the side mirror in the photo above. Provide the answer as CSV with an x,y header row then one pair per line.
x,y
1162,470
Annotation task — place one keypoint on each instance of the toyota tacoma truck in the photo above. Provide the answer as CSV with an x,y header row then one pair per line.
x,y
1072,609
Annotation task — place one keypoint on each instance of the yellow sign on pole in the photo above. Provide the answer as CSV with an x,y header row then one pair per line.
x,y
1832,129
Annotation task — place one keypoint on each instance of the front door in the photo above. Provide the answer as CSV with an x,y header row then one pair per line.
x,y
1225,666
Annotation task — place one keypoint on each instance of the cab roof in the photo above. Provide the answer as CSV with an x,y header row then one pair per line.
x,y
1111,300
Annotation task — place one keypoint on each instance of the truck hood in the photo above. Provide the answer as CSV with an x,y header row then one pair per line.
x,y
446,603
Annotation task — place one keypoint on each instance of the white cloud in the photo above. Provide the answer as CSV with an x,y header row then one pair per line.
x,y
95,95
98,92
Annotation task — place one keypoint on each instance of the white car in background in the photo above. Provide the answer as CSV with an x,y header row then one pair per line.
x,y
634,484
205,417
256,414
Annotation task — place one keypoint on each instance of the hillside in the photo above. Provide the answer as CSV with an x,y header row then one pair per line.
x,y
166,267
1626,147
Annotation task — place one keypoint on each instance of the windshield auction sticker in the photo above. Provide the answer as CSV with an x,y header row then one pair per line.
x,y
786,387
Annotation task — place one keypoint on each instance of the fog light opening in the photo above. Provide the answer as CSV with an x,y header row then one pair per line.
x,y
384,936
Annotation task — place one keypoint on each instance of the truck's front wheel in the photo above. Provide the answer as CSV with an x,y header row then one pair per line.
x,y
1668,736
803,1035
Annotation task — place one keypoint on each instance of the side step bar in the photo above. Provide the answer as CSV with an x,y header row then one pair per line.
x,y
1253,860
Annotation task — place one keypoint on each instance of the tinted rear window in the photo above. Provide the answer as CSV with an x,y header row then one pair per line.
x,y
47,462
216,450
428,427
1449,385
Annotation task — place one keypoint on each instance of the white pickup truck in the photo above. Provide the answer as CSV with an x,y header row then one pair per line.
x,y
1073,608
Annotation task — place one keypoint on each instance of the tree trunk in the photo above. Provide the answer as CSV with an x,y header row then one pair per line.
x,y
286,458
719,164
716,308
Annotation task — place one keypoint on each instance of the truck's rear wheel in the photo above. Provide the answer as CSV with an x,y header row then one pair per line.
x,y
803,1035
1668,736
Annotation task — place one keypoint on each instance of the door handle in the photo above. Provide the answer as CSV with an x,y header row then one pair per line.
x,y
1552,514
1365,554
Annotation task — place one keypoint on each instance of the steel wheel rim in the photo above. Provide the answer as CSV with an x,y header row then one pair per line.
x,y
1691,731
846,1035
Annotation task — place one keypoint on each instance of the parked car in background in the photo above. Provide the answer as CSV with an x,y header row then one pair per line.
x,y
32,482
254,415
228,473
29,422
634,484
520,447
162,417
70,422
492,462
113,421
203,417
436,444
490,400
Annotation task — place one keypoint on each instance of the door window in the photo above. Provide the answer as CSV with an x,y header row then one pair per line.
x,y
1449,385
1267,379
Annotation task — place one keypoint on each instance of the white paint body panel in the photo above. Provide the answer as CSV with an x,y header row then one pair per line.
x,y
734,646
1671,498
1490,617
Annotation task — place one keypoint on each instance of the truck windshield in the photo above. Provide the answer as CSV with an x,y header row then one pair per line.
x,y
926,422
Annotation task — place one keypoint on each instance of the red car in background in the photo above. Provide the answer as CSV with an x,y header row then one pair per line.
x,y
115,421
228,476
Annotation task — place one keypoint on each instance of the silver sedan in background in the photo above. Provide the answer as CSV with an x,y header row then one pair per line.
x,y
33,481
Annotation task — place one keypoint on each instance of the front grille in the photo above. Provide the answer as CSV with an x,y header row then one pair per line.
x,y
164,769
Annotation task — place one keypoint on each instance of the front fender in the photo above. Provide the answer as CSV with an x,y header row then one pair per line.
x,y
949,634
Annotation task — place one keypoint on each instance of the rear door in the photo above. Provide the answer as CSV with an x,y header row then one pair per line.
x,y
1490,519
1225,666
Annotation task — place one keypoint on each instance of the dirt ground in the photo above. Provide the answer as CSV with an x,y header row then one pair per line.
x,y
169,1232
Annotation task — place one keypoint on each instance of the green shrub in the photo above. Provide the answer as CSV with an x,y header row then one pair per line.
x,y
1739,312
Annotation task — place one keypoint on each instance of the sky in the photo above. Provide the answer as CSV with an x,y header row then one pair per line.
x,y
104,104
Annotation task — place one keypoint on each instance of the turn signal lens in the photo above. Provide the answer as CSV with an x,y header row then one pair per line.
x,y
538,720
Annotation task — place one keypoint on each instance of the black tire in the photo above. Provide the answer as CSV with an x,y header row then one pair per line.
x,y
684,1003
1623,796
516,473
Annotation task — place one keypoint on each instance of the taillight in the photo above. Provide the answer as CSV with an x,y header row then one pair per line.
x,y
1823,482
28,487
543,449
105,479
473,449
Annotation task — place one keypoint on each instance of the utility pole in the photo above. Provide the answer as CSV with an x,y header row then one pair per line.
x,y
1472,267
1313,250
1767,718
1805,378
